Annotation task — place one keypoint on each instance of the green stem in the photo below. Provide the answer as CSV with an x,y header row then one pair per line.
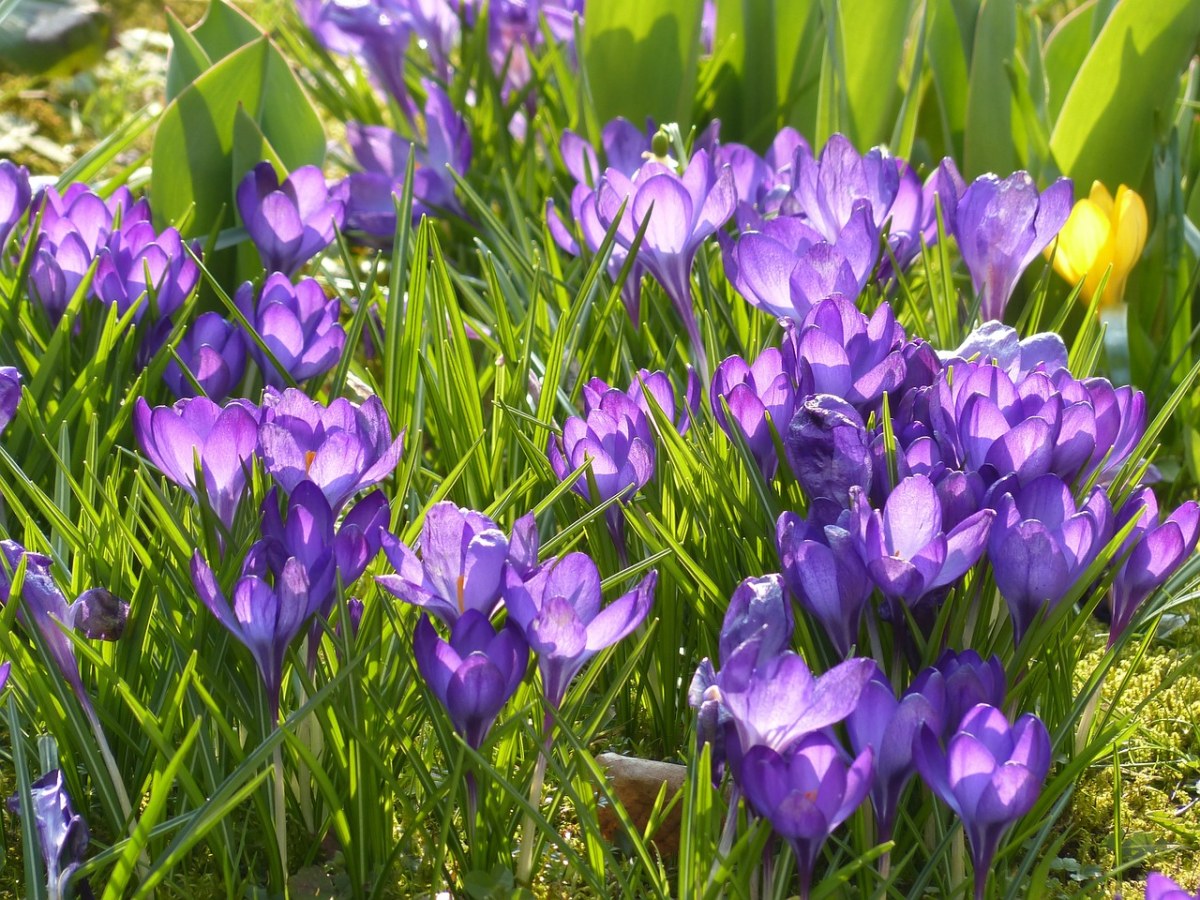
x,y
528,836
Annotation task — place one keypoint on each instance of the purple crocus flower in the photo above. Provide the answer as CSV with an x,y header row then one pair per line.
x,y
625,148
688,208
1160,887
826,190
464,556
141,262
1157,551
824,572
473,675
1041,543
888,727
1002,225
777,702
343,448
299,325
828,448
4,670
961,681
383,155
213,350
265,618
995,342
805,793
655,386
558,608
290,222
906,551
753,392
785,266
10,394
15,196
62,832
990,774
224,440
615,437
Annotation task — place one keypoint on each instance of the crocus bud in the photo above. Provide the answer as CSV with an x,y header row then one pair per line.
x,y
1102,235
292,222
299,325
828,448
15,195
214,351
10,394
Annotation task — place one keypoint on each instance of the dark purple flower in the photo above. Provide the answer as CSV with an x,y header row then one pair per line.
x,y
828,448
62,832
464,555
1119,416
805,793
98,614
264,617
213,351
687,209
15,196
223,440
1041,543
990,774
752,393
615,437
823,571
343,448
558,608
290,222
473,675
1160,887
299,325
1157,551
888,727
906,550
1002,225
961,680
383,155
10,395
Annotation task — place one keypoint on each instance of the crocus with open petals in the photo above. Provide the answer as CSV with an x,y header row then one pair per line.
x,y
559,610
1160,887
990,774
1102,235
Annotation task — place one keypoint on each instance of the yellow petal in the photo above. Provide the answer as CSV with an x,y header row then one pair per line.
x,y
1081,240
1101,197
1131,227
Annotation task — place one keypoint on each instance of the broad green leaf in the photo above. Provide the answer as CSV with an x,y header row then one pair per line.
x,y
1125,88
640,57
193,149
798,61
873,37
948,61
988,140
1066,49
187,60
224,29
746,81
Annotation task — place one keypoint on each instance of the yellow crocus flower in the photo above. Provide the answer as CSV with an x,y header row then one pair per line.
x,y
1101,232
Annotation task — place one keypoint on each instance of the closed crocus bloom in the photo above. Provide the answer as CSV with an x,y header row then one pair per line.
x,y
1102,235
823,571
616,438
759,613
213,351
224,440
15,195
961,681
62,832
293,221
343,448
475,673
1160,887
752,392
10,394
990,774
461,566
140,261
1001,226
558,608
828,448
299,325
1158,549
805,793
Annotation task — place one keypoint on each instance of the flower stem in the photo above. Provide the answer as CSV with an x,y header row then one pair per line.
x,y
525,862
280,812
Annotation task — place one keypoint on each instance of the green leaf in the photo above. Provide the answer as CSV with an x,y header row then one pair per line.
x,y
873,37
640,57
1066,49
187,60
1125,89
988,140
948,62
193,149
